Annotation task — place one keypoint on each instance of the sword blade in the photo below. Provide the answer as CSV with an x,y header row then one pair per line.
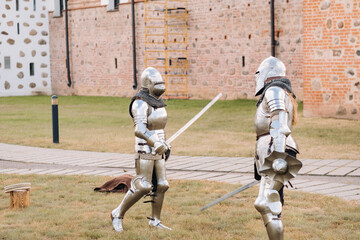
x,y
189,123
230,194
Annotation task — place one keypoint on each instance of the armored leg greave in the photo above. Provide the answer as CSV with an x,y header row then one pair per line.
x,y
269,205
140,185
162,187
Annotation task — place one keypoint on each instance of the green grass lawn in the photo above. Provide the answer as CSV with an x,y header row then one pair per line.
x,y
66,207
104,124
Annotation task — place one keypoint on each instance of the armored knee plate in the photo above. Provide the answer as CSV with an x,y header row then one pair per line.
x,y
162,186
269,206
140,184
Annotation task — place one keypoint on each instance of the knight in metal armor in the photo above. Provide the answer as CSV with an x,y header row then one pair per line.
x,y
276,149
147,110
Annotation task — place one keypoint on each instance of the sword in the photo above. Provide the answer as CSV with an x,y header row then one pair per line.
x,y
230,194
196,117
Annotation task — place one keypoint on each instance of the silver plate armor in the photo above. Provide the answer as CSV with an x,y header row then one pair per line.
x,y
273,124
150,145
267,116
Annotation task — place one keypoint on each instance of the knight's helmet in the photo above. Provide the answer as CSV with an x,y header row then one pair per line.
x,y
270,67
152,81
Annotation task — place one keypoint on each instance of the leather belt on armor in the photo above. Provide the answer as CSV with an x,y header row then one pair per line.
x,y
147,156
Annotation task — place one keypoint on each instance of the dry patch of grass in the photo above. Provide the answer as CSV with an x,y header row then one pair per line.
x,y
66,207
104,124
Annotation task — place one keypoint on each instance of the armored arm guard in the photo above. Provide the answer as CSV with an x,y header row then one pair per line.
x,y
140,111
279,129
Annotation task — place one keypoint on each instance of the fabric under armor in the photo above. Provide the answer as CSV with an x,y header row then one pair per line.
x,y
145,96
282,82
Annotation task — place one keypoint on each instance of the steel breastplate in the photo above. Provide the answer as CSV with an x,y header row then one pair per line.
x,y
156,122
157,118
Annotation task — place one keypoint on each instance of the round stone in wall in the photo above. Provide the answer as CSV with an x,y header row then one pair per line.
x,y
325,4
4,33
19,65
7,85
352,39
27,40
33,32
33,53
334,78
20,86
350,72
316,84
11,41
340,24
32,16
10,23
26,24
232,71
44,83
43,53
7,7
356,23
341,111
22,54
43,65
44,75
336,40
44,33
39,24
42,42
327,97
20,75
329,23
32,85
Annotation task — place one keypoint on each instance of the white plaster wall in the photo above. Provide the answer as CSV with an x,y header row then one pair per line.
x,y
30,46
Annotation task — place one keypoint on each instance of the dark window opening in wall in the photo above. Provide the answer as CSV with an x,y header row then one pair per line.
x,y
243,61
32,70
17,5
115,62
7,62
34,5
116,4
18,28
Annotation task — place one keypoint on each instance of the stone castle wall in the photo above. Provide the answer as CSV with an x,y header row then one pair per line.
x,y
332,58
24,48
227,40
